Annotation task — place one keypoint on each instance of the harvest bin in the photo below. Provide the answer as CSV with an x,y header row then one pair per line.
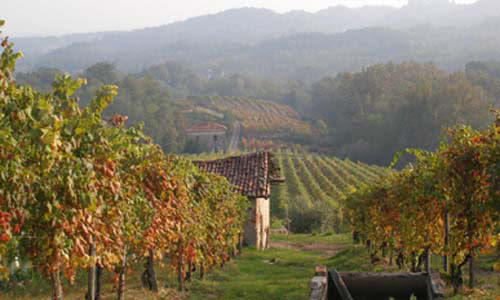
x,y
379,286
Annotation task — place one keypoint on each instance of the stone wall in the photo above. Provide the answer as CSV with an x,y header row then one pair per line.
x,y
256,230
264,223
249,228
210,141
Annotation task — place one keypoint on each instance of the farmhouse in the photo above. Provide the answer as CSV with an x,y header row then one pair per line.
x,y
210,134
251,175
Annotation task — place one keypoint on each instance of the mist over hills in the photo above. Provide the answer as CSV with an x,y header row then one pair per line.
x,y
443,13
366,91
298,44
242,25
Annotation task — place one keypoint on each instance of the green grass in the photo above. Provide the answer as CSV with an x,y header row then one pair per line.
x,y
250,277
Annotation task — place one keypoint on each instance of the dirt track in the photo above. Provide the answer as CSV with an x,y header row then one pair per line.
x,y
328,250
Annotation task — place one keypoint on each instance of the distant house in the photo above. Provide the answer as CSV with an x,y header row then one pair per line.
x,y
209,135
251,175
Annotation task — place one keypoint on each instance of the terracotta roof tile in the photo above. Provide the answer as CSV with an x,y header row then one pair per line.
x,y
209,126
251,174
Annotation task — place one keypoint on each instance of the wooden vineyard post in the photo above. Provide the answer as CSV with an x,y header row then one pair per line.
x,y
336,226
355,237
202,271
91,282
188,272
446,263
287,219
240,243
471,271
180,276
56,285
391,257
98,280
384,249
427,260
121,278
153,284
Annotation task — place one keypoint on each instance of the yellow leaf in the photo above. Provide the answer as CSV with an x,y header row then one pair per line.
x,y
496,267
79,131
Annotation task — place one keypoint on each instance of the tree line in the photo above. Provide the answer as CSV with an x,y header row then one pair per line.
x,y
367,115
387,108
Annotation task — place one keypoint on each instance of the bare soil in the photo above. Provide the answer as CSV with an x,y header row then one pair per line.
x,y
327,250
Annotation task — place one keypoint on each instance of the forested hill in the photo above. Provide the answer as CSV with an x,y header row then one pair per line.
x,y
233,25
297,45
367,116
244,25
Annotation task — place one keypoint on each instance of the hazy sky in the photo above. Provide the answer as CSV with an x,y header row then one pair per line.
x,y
55,17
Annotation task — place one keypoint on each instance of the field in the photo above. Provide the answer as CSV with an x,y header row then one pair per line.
x,y
261,118
317,180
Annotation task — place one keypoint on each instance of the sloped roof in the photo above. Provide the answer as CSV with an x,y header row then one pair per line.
x,y
251,174
207,127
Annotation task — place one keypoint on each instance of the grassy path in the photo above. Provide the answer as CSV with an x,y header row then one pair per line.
x,y
280,273
326,250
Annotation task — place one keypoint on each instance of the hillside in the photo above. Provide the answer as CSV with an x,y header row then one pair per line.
x,y
260,118
317,181
230,26
300,56
349,40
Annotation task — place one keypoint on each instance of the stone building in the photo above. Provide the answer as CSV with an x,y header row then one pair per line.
x,y
251,175
210,136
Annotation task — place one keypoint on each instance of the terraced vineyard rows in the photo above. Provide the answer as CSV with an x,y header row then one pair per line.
x,y
315,190
259,117
325,183
280,195
330,172
296,188
313,179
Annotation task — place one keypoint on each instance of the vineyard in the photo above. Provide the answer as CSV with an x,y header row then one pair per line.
x,y
315,189
259,117
82,194
447,203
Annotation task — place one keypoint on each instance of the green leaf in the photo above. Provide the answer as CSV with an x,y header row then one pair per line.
x,y
79,130
44,105
2,22
93,205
